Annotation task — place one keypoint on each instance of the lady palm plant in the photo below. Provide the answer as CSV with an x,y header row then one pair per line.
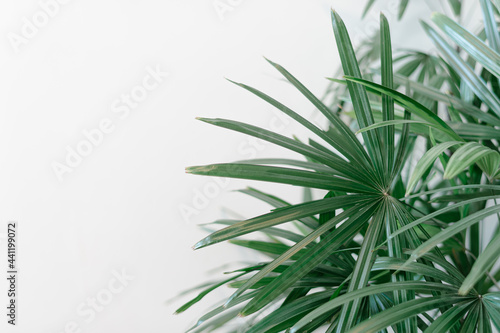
x,y
388,246
454,5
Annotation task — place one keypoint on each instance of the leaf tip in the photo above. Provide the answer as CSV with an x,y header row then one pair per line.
x,y
200,244
206,120
463,291
242,314
434,15
228,79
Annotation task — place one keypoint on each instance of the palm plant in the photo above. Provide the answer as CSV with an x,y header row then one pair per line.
x,y
389,246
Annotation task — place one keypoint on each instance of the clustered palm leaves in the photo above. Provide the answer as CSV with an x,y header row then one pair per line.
x,y
389,246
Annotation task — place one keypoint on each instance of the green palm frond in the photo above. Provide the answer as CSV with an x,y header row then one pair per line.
x,y
395,240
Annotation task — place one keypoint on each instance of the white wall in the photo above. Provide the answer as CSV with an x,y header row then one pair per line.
x,y
119,208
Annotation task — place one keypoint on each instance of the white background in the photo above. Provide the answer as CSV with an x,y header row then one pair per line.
x,y
120,208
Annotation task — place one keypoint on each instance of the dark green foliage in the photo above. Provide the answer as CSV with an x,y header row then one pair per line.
x,y
391,244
